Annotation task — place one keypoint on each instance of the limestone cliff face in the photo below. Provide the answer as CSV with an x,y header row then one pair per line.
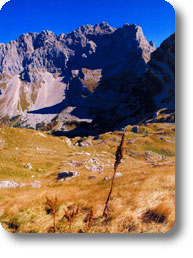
x,y
73,78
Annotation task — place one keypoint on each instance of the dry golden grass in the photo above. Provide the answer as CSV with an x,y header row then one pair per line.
x,y
146,187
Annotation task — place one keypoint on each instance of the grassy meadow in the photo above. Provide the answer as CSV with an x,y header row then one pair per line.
x,y
143,197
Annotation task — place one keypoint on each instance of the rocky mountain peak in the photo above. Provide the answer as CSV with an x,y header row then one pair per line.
x,y
104,28
47,51
43,38
72,75
97,29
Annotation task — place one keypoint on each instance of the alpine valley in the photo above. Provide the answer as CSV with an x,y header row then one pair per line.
x,y
87,132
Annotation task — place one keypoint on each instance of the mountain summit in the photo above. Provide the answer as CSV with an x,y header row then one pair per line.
x,y
76,82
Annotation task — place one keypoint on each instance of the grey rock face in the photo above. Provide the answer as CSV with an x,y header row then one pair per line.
x,y
78,78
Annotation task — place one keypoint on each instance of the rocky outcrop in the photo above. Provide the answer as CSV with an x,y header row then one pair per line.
x,y
12,184
74,82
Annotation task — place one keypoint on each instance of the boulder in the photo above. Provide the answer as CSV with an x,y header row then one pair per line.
x,y
93,161
83,143
76,164
96,168
106,178
67,175
135,129
118,174
29,166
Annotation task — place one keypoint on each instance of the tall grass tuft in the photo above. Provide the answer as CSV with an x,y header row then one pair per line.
x,y
90,220
118,158
70,215
52,205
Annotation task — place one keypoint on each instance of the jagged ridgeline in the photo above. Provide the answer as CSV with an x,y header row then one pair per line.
x,y
91,80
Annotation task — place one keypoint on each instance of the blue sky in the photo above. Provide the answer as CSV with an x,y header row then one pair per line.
x,y
156,17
